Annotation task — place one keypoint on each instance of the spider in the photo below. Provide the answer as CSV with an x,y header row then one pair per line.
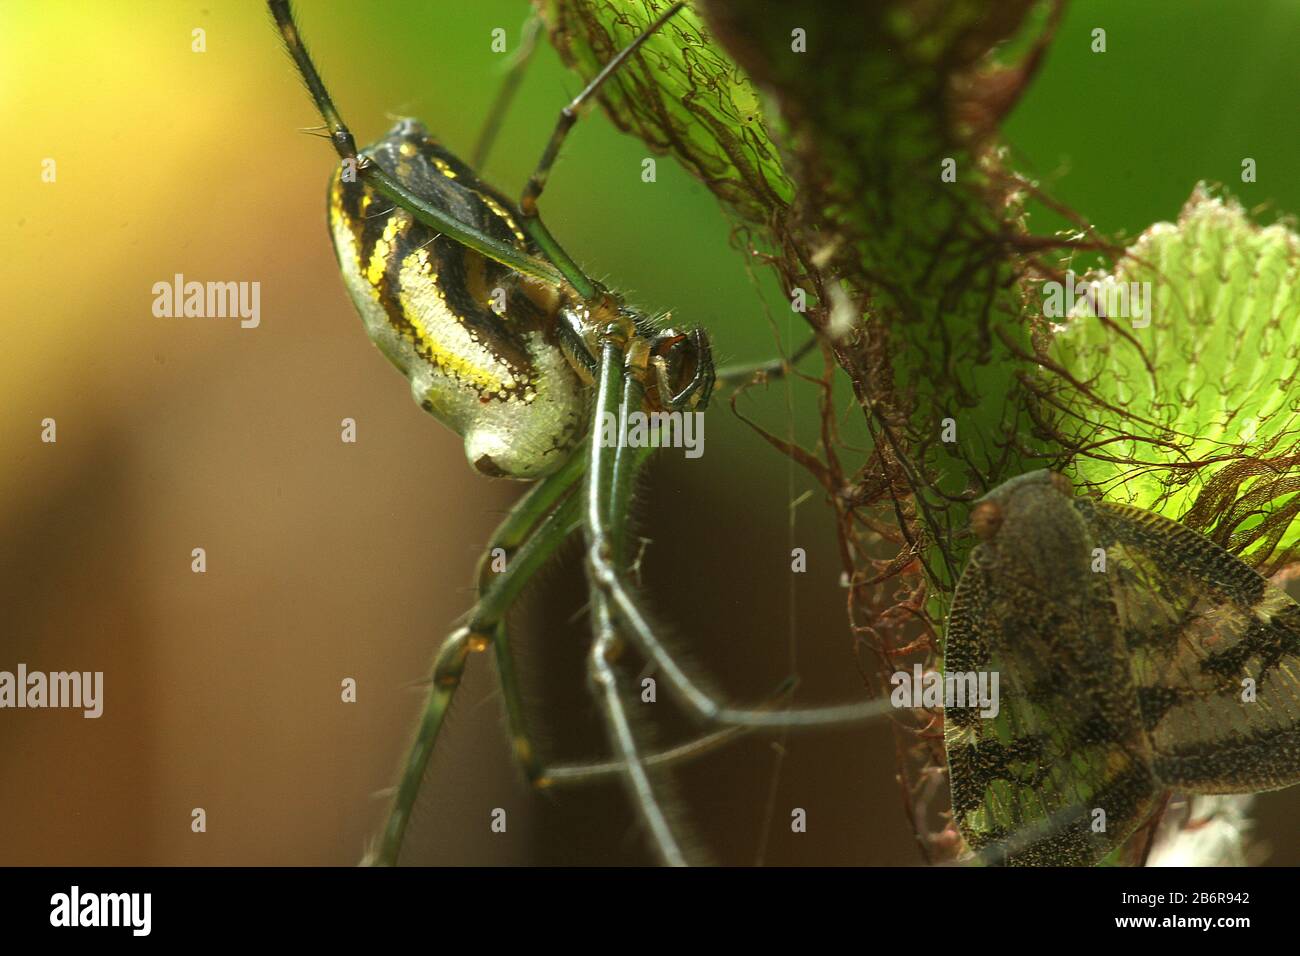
x,y
505,339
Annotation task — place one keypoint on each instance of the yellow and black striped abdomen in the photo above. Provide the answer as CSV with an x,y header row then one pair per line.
x,y
475,339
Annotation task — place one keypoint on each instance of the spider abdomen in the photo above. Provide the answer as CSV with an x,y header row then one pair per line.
x,y
476,340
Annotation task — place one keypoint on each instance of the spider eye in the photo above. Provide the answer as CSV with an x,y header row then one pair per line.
x,y
985,520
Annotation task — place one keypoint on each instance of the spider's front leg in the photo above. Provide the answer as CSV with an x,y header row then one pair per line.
x,y
590,290
616,609
531,533
605,515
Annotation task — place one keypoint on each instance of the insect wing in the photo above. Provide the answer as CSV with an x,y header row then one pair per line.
x,y
1214,651
1027,784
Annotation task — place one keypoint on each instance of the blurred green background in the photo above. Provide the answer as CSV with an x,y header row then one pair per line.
x,y
327,560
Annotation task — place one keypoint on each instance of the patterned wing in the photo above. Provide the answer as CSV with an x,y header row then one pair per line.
x,y
1027,784
1214,651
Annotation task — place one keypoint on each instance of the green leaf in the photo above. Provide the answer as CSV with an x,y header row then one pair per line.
x,y
682,94
1196,415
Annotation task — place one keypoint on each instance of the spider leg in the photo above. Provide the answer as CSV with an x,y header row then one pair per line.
x,y
569,114
532,222
610,480
501,103
601,672
529,536
571,774
440,220
771,369
605,575
547,776
610,475
531,533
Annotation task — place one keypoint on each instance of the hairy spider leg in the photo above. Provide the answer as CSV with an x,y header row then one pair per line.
x,y
345,145
616,610
530,534
532,223
506,94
